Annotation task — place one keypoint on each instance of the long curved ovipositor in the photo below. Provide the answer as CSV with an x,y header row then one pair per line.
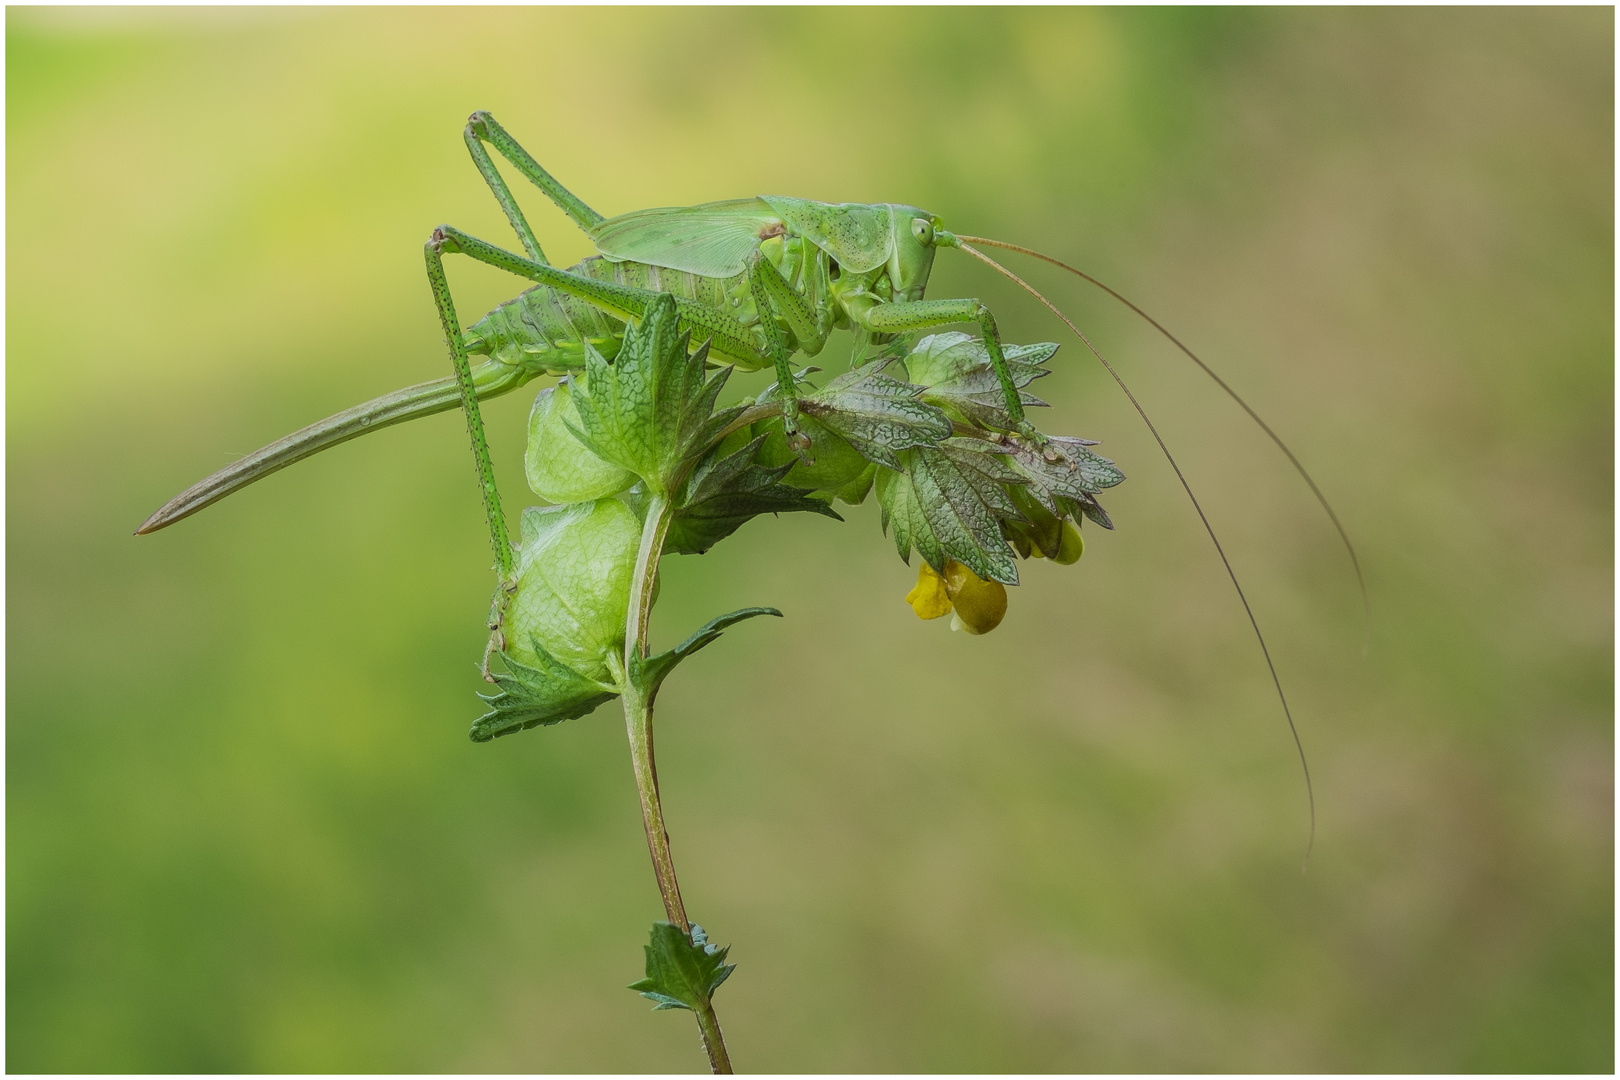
x,y
423,399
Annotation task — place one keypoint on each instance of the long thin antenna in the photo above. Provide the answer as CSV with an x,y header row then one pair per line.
x,y
1366,606
1310,792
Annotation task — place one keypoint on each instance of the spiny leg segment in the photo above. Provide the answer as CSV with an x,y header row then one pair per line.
x,y
481,128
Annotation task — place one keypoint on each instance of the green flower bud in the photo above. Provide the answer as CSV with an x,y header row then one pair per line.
x,y
1043,531
573,583
980,605
559,467
1073,546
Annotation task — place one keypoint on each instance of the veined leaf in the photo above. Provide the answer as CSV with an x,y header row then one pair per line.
x,y
948,501
572,588
683,971
879,416
955,371
651,408
547,693
723,493
1068,485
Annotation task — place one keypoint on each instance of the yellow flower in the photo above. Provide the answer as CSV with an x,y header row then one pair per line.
x,y
979,605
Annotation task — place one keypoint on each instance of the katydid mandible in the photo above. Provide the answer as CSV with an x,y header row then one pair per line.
x,y
760,279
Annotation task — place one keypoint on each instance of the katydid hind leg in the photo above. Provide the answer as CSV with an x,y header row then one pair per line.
x,y
475,421
620,301
482,127
503,194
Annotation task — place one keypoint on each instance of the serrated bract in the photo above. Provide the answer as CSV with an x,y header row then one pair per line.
x,y
651,410
955,373
725,491
948,501
880,417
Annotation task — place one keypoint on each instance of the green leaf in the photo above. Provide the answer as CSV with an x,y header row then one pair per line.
x,y
948,501
724,492
956,373
879,416
683,970
652,671
547,693
651,409
1066,476
854,493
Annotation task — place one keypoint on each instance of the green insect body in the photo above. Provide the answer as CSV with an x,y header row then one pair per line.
x,y
846,260
815,268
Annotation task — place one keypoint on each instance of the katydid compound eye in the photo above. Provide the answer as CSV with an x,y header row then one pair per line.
x,y
922,230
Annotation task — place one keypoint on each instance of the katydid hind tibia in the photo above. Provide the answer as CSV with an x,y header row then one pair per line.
x,y
757,280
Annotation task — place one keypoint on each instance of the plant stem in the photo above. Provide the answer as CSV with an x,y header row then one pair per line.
x,y
638,709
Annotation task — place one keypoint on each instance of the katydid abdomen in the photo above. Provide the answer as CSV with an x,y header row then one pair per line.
x,y
545,330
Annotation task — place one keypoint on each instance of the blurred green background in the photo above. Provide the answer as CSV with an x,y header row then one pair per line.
x,y
246,830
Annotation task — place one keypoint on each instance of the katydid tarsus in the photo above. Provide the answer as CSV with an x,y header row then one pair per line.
x,y
759,279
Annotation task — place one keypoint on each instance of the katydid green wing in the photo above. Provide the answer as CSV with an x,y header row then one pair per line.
x,y
712,240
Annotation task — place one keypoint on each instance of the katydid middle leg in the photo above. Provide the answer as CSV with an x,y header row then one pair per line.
x,y
772,294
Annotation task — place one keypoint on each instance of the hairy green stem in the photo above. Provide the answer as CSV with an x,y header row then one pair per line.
x,y
638,709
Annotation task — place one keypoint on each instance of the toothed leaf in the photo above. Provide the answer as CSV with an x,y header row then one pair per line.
x,y
948,501
956,374
546,693
1065,469
879,416
649,410
683,970
725,492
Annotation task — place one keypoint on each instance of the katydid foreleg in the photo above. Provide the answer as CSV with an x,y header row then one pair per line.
x,y
920,314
